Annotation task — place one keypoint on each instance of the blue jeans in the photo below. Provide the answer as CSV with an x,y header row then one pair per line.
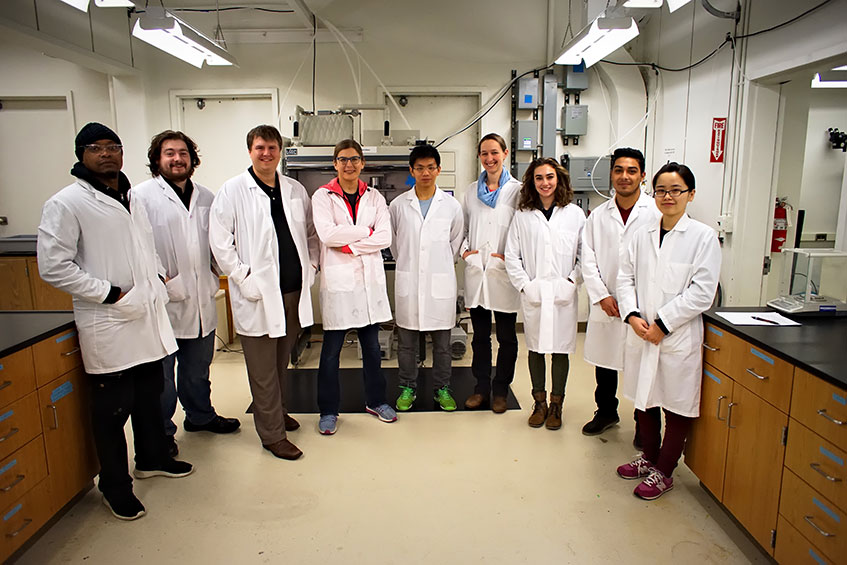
x,y
192,361
329,390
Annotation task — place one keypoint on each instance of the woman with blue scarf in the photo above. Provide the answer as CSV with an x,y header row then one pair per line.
x,y
489,207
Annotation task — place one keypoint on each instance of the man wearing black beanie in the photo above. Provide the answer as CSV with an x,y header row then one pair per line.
x,y
98,246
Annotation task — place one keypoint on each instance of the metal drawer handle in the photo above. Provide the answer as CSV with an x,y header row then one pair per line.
x,y
729,415
817,467
718,413
815,526
760,377
73,351
11,485
823,413
5,384
26,523
710,348
12,432
55,417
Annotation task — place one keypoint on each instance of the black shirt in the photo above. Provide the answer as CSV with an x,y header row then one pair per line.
x,y
290,270
548,212
184,195
353,199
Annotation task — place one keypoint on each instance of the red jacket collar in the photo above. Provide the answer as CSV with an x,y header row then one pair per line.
x,y
335,186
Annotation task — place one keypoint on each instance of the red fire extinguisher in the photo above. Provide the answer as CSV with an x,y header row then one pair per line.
x,y
780,224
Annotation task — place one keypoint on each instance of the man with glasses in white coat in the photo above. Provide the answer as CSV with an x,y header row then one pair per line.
x,y
264,241
608,230
178,209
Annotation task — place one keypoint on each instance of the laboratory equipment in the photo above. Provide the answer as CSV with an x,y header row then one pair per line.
x,y
812,282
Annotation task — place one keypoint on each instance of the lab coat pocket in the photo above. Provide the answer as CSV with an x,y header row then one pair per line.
x,y
439,230
675,278
203,211
249,288
297,211
676,342
443,286
402,282
176,289
133,305
338,278
474,261
532,291
564,292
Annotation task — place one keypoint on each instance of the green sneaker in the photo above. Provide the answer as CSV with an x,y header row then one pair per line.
x,y
406,398
445,399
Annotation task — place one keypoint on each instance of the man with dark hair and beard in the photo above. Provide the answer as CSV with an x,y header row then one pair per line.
x,y
178,209
97,244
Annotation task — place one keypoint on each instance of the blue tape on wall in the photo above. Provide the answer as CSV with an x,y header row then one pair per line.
x,y
761,356
66,336
716,332
831,455
816,557
8,466
836,397
61,391
527,98
12,512
711,376
6,415
827,510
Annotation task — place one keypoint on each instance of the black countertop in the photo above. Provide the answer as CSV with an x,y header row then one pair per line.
x,y
818,345
18,245
19,330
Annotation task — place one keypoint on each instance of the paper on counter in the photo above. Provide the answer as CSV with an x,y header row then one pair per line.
x,y
748,319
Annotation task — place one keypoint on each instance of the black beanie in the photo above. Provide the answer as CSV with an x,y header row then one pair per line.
x,y
93,132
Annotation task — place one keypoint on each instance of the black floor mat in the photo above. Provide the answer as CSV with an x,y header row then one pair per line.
x,y
301,395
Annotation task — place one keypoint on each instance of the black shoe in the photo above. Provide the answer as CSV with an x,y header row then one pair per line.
x,y
218,425
125,507
599,424
173,448
170,468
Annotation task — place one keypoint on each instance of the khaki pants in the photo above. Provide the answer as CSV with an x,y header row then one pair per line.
x,y
267,361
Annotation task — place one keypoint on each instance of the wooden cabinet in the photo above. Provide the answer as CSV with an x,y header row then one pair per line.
x,y
21,288
705,452
47,454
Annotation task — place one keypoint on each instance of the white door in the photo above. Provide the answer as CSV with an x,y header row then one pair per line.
x,y
219,126
33,167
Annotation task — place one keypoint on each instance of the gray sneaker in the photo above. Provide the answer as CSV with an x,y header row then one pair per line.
x,y
328,424
384,412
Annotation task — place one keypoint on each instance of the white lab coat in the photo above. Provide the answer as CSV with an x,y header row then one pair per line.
x,y
486,282
182,243
87,242
243,240
353,287
677,283
603,239
541,255
425,251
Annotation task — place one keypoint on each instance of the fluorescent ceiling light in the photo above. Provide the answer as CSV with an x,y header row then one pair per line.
x,y
163,30
643,3
82,5
841,68
600,38
831,79
674,5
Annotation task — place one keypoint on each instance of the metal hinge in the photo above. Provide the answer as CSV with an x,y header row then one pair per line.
x,y
785,435
773,539
766,266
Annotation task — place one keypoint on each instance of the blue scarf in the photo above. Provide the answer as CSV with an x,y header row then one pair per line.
x,y
489,197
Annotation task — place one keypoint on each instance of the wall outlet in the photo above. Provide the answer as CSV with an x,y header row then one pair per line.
x,y
4,220
725,223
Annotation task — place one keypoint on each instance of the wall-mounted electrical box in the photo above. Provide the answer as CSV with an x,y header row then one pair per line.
x,y
580,169
521,170
527,135
575,119
576,77
528,93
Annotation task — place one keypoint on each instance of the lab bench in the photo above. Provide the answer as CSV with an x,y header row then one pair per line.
x,y
771,440
21,287
47,454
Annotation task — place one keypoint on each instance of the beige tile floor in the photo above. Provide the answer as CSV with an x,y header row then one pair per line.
x,y
430,488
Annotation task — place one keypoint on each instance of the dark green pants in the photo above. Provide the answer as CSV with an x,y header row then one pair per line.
x,y
537,372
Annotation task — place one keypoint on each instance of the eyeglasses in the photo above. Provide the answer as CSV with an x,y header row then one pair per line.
x,y
674,192
430,169
94,148
344,160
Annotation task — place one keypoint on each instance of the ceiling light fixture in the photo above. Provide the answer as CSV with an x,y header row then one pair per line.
x,y
163,30
830,79
673,5
82,5
598,39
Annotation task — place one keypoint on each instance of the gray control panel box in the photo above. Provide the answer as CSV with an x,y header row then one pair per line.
x,y
576,77
528,93
575,119
527,135
580,171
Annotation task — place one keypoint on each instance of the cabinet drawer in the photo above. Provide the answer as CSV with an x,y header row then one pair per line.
x,y
717,348
21,471
17,377
22,518
763,374
56,356
19,423
792,548
818,462
820,407
817,518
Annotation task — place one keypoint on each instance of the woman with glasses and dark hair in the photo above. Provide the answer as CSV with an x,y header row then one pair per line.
x,y
353,226
668,277
542,259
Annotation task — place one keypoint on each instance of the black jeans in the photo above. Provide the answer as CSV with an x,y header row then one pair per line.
x,y
605,395
507,354
115,397
329,391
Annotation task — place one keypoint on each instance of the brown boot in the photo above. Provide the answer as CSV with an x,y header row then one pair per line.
x,y
539,409
554,419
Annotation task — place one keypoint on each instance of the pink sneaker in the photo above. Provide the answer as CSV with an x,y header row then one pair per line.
x,y
653,486
635,469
